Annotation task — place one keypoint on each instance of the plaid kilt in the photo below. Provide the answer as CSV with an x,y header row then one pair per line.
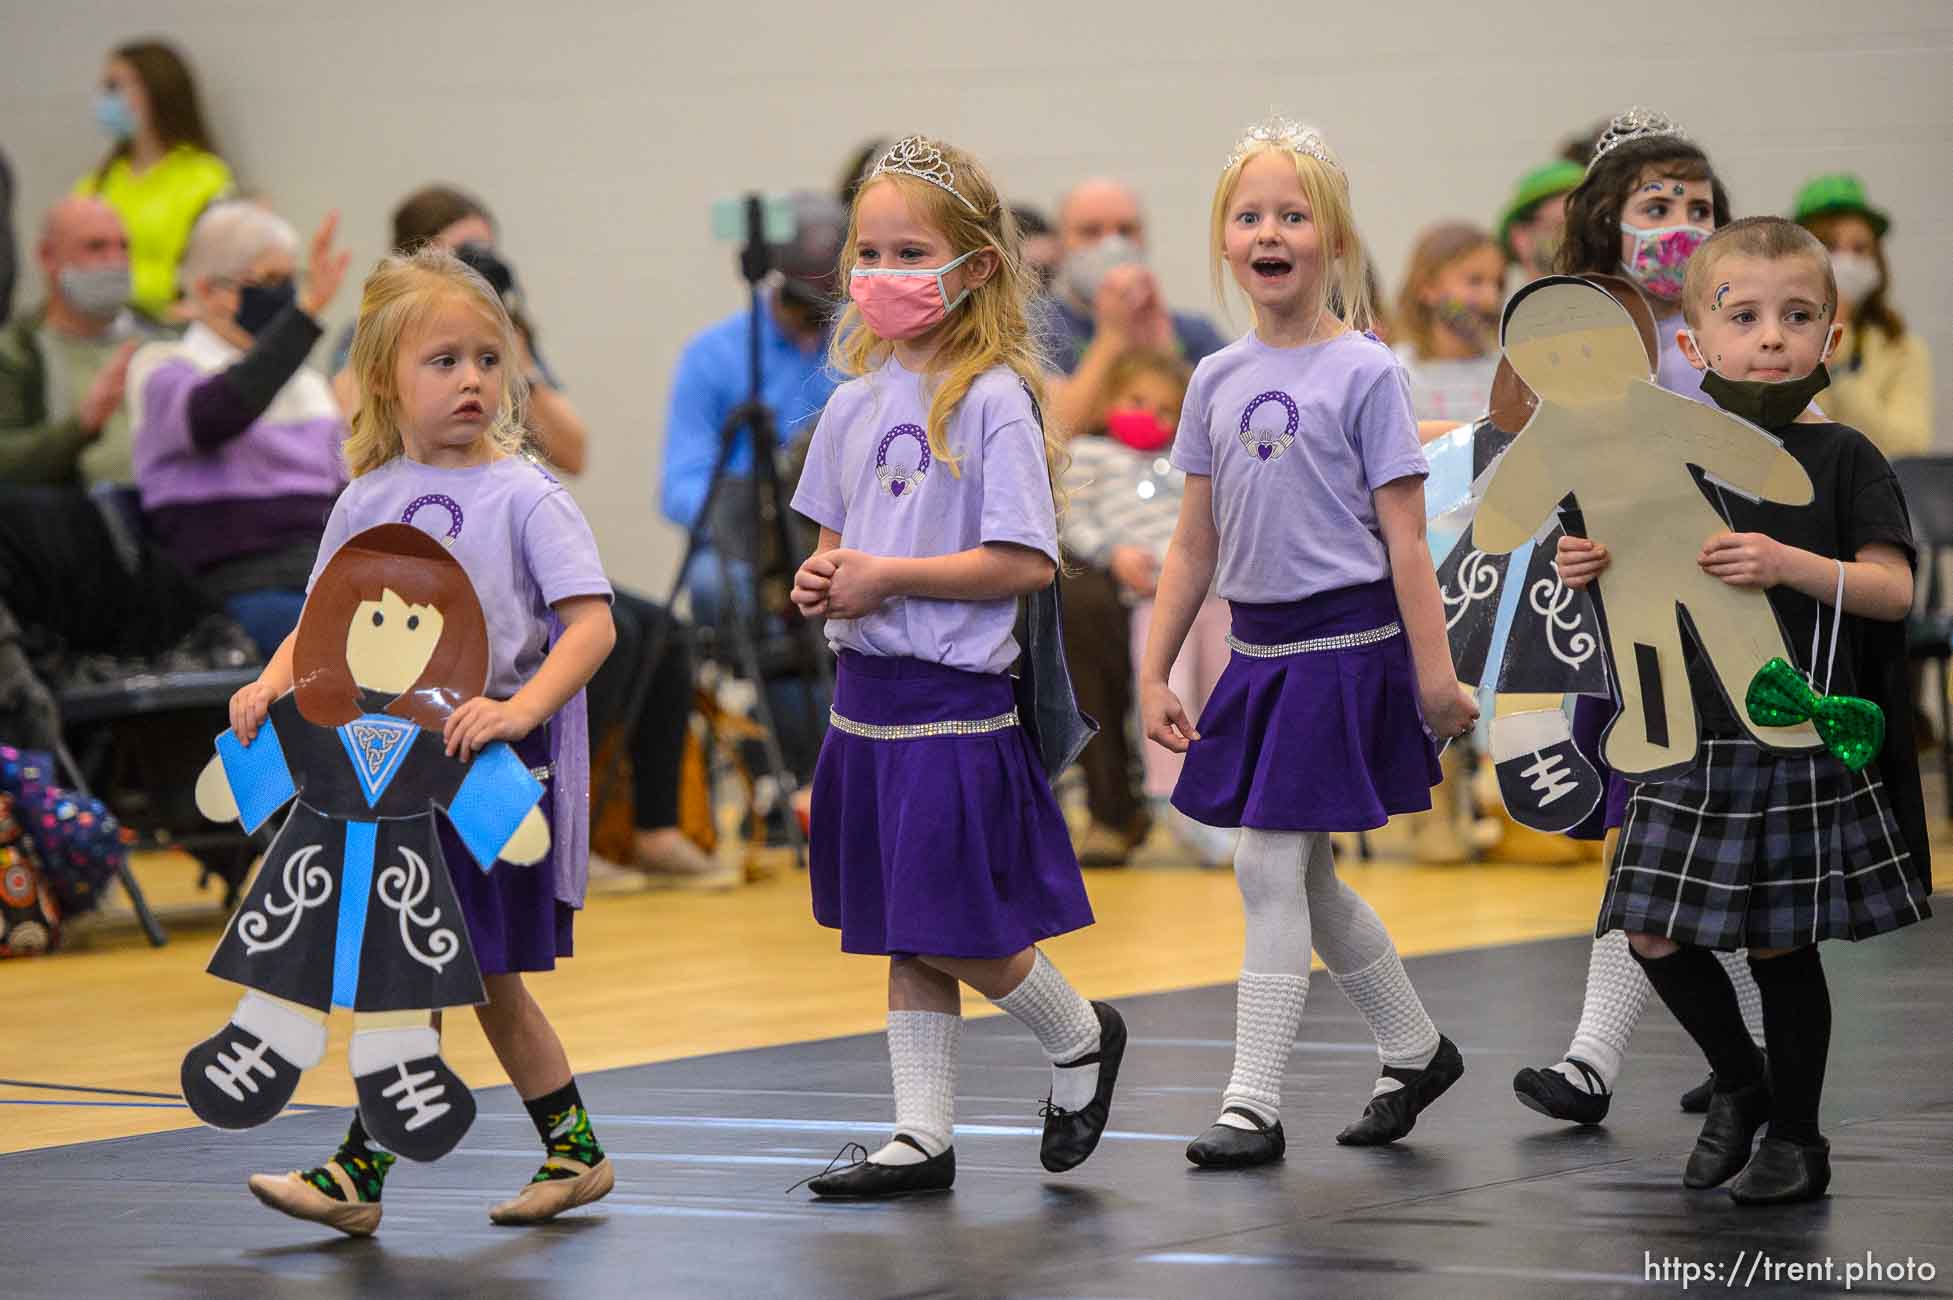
x,y
1754,849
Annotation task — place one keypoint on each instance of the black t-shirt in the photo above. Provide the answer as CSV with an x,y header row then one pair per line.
x,y
1856,503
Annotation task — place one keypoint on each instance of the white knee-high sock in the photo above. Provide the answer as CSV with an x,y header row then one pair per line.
x,y
1066,1027
922,1050
1269,867
1617,993
1353,944
1749,999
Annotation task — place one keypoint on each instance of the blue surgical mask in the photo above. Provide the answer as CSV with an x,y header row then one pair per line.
x,y
113,116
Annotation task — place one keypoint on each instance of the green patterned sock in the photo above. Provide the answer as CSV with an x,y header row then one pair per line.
x,y
363,1167
569,1144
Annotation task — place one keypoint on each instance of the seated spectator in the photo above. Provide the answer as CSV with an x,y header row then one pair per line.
x,y
450,219
1534,220
63,363
236,439
1106,302
1447,322
1124,501
6,239
1037,244
162,170
1881,374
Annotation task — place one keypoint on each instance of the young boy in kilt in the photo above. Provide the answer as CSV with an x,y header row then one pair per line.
x,y
1760,849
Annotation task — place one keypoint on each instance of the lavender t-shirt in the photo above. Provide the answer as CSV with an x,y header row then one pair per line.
x,y
871,478
515,530
1296,440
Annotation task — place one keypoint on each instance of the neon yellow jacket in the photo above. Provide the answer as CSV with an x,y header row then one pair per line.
x,y
158,208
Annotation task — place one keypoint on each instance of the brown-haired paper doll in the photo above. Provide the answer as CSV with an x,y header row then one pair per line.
x,y
1623,447
352,906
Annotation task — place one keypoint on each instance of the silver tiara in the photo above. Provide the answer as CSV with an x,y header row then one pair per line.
x,y
1637,123
913,155
1283,133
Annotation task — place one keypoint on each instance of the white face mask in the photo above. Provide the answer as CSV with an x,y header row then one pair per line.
x,y
1086,269
1857,275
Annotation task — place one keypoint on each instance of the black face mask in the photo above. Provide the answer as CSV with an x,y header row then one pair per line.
x,y
1767,404
259,304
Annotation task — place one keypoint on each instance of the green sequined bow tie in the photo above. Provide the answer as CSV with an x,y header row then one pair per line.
x,y
1851,728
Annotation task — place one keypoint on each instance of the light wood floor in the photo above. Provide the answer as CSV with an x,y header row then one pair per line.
x,y
664,975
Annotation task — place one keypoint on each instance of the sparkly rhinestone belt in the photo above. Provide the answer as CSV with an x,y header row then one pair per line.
x,y
920,730
1346,641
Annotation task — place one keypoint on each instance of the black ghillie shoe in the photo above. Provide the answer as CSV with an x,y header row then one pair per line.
x,y
1553,1095
1394,1114
1226,1147
865,1180
1072,1135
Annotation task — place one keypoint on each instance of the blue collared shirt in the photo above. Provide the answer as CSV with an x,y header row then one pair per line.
x,y
711,380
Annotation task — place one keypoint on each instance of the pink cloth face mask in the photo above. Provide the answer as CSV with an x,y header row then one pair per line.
x,y
1138,428
902,302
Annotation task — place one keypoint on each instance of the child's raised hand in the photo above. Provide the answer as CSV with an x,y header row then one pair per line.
x,y
1164,718
1450,711
481,722
325,269
1580,560
1743,559
810,585
248,708
855,588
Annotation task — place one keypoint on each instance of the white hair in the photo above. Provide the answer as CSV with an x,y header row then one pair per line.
x,y
229,237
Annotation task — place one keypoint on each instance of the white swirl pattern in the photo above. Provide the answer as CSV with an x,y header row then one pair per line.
x,y
307,885
403,887
1549,598
1478,578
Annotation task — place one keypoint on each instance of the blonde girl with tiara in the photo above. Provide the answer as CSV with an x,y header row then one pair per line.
x,y
1304,510
935,838
437,442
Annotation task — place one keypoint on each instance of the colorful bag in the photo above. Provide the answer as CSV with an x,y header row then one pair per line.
x,y
30,918
79,844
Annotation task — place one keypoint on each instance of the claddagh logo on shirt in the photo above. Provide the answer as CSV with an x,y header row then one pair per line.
x,y
1262,442
899,470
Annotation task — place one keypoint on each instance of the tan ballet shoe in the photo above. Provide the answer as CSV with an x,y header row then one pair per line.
x,y
291,1194
541,1202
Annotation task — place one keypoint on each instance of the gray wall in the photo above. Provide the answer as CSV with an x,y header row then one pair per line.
x,y
601,132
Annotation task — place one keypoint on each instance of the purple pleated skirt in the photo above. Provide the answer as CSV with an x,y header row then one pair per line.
x,y
514,918
942,845
1318,740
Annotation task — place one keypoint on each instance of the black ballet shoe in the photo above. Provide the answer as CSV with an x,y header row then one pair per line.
x,y
866,1180
1553,1095
1696,1100
417,1109
1782,1172
1394,1114
1226,1147
234,1079
1072,1135
1723,1146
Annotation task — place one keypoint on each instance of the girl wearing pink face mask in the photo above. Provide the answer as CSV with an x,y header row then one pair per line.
x,y
1122,498
935,840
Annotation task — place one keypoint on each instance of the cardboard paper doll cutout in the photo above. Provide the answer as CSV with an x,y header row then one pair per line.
x,y
1624,448
353,905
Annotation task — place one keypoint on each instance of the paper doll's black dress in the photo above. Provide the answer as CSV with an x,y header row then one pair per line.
x,y
353,906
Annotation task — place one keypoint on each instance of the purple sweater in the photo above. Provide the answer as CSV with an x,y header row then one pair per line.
x,y
236,454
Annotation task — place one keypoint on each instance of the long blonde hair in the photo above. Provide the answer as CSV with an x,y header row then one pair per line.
x,y
399,295
1343,288
991,328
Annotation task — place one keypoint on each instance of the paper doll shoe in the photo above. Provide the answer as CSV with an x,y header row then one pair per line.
x,y
411,1102
235,1079
1547,784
